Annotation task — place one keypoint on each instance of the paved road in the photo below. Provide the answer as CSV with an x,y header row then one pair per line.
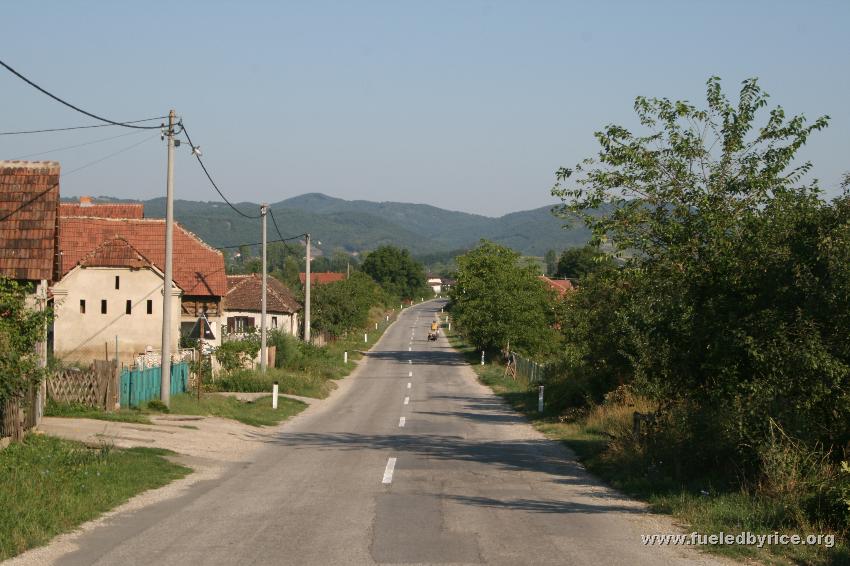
x,y
461,479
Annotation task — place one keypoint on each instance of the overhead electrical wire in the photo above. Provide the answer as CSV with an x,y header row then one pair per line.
x,y
209,177
64,174
77,108
284,240
58,149
19,132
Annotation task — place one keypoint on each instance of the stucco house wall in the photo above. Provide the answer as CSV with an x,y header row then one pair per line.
x,y
286,323
81,336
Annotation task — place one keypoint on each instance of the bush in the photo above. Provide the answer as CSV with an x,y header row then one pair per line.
x,y
234,354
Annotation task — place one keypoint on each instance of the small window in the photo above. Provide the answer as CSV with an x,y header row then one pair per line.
x,y
117,282
103,306
82,306
274,322
129,308
150,306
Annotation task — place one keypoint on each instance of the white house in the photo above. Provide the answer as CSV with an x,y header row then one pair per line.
x,y
112,293
436,284
242,305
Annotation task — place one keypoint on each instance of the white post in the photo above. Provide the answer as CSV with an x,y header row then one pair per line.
x,y
376,326
540,400
345,357
263,332
365,337
388,318
165,359
307,284
482,357
274,395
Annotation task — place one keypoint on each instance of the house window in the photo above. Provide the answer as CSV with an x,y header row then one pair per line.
x,y
129,308
82,306
150,306
117,282
274,322
240,324
103,306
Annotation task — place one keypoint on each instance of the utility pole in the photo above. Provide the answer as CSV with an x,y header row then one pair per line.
x,y
307,295
263,355
165,363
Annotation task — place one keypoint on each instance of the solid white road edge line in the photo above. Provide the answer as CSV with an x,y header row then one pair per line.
x,y
408,385
401,421
406,400
388,471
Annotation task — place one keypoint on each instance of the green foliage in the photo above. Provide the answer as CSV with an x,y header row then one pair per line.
x,y
21,327
577,263
731,311
396,272
51,486
342,306
499,301
235,354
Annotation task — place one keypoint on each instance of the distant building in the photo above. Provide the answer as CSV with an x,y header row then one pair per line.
x,y
436,284
87,208
115,266
321,278
242,305
561,286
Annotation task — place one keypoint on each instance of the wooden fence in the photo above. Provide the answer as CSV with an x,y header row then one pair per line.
x,y
139,385
20,414
95,386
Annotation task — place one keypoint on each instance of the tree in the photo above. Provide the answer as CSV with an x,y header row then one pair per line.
x,y
21,328
551,260
396,272
576,263
499,301
738,284
342,306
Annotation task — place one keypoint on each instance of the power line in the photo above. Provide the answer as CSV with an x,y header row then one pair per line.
x,y
58,149
284,240
77,108
15,133
71,172
209,177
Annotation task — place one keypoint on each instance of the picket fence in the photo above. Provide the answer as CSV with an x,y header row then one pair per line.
x,y
140,385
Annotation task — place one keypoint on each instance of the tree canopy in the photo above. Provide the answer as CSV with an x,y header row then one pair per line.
x,y
396,272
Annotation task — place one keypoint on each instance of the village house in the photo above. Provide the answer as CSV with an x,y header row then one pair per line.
x,y
560,286
242,305
435,283
321,278
112,281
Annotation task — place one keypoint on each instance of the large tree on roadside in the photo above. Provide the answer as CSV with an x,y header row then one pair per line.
x,y
396,272
499,301
738,286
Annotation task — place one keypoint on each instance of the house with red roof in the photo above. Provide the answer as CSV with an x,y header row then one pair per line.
x,y
88,208
560,286
112,280
321,278
243,305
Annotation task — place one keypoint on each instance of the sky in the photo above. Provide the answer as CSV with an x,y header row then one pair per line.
x,y
466,105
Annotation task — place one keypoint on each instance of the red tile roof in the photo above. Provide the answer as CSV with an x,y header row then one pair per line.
x,y
321,278
197,268
29,206
103,210
115,252
559,285
245,293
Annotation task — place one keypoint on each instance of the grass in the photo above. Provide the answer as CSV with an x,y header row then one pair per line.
x,y
71,410
50,486
305,369
254,413
722,509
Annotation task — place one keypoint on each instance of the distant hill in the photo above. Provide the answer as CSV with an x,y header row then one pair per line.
x,y
361,225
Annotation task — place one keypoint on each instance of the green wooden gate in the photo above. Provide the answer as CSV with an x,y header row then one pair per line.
x,y
140,385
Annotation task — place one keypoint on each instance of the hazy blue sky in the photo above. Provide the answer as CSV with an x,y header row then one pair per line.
x,y
467,105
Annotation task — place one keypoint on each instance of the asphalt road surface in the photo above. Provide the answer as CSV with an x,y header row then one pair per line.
x,y
410,462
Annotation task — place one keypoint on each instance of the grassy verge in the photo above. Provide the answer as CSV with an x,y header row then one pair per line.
x,y
50,486
254,413
306,369
77,411
707,509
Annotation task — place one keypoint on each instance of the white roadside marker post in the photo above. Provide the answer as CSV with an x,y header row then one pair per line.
x,y
274,395
482,357
345,357
540,400
376,326
365,337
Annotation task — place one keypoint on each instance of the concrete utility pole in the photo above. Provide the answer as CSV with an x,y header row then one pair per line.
x,y
307,295
263,355
165,363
